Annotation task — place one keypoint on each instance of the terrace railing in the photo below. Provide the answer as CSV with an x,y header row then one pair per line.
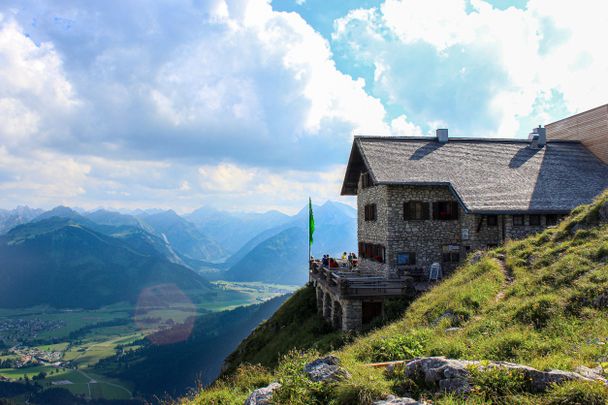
x,y
352,284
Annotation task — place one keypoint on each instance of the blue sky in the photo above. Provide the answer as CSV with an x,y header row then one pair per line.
x,y
252,105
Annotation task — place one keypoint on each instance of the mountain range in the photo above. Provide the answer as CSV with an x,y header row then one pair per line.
x,y
66,263
64,258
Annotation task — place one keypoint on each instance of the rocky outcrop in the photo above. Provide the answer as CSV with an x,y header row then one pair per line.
x,y
262,396
392,400
326,369
450,375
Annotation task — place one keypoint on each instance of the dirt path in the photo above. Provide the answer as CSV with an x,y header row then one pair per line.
x,y
508,278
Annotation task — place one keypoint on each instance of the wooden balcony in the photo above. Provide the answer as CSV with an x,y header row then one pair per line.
x,y
350,284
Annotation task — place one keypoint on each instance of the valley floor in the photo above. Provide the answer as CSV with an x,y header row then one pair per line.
x,y
64,346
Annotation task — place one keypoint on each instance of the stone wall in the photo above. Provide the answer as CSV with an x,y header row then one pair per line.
x,y
518,232
373,231
428,239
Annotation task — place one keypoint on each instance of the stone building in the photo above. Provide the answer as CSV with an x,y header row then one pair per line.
x,y
426,201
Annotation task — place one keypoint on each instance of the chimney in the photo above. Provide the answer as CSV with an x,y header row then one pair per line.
x,y
442,135
538,137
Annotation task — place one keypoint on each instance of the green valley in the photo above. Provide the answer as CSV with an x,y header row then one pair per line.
x,y
66,346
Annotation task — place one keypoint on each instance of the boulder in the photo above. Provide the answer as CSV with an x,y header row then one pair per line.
x,y
451,375
326,369
392,400
592,373
262,396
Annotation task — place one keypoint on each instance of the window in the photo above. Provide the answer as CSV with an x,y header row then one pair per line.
x,y
445,210
406,258
372,251
534,220
366,180
518,220
370,212
492,220
415,210
453,257
552,219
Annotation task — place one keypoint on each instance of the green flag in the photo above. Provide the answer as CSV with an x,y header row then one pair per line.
x,y
311,222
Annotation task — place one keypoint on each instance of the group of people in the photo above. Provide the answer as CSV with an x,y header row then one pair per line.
x,y
330,262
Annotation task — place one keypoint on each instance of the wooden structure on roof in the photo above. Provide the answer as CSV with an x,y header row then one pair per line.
x,y
589,127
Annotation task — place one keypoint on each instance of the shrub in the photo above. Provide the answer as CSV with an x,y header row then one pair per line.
x,y
250,377
296,387
219,393
364,386
402,384
578,393
398,347
496,383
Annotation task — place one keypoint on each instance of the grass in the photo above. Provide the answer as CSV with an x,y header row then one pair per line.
x,y
551,315
295,325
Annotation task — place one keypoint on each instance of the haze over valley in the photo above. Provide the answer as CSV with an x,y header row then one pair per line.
x,y
88,293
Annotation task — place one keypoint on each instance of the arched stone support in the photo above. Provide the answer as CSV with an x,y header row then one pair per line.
x,y
336,315
320,296
327,304
352,315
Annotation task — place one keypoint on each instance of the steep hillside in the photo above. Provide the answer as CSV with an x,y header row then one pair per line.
x,y
540,301
62,263
105,217
233,230
295,325
173,368
184,236
280,259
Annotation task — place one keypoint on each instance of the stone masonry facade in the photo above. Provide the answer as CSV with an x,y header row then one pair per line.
x,y
431,240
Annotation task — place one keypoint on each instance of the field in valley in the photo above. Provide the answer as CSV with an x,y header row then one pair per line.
x,y
81,338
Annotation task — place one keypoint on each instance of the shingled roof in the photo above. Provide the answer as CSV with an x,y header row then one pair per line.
x,y
486,175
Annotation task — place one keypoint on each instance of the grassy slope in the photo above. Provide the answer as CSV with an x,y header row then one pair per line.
x,y
295,325
552,314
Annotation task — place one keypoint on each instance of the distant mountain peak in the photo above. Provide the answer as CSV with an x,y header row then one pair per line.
x,y
59,211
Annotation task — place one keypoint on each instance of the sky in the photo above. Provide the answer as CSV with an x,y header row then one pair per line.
x,y
251,105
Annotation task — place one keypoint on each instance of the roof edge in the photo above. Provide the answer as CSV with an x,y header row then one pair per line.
x,y
455,139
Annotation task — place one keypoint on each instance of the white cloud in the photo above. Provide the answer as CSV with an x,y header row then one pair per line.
x,y
137,107
401,126
236,187
35,96
507,68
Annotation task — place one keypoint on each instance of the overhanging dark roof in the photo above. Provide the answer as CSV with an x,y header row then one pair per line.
x,y
487,175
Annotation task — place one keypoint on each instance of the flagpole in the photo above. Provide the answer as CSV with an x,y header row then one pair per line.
x,y
311,227
309,236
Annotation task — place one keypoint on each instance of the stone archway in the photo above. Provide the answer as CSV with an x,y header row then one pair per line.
x,y
320,296
327,307
336,315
